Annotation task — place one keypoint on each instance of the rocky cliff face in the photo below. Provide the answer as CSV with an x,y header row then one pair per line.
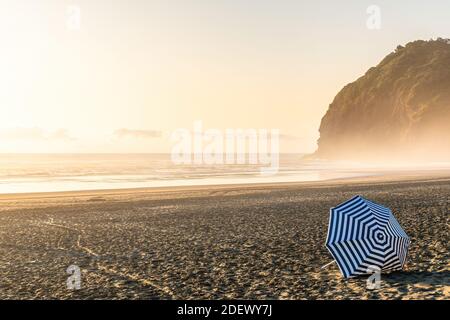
x,y
399,109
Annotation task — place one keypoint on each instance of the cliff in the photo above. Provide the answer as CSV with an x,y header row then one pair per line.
x,y
399,109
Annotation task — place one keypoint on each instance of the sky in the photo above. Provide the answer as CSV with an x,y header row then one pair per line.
x,y
120,76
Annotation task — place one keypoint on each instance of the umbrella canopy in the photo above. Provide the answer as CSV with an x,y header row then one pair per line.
x,y
363,236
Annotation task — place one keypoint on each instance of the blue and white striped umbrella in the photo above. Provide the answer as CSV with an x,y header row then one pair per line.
x,y
364,236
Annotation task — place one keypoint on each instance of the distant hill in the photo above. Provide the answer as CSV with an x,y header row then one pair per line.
x,y
399,109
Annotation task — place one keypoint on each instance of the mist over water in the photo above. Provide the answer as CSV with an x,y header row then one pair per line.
x,y
23,173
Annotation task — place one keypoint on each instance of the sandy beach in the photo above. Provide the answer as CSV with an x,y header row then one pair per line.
x,y
219,242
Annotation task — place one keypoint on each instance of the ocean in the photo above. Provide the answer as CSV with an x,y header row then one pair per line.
x,y
25,173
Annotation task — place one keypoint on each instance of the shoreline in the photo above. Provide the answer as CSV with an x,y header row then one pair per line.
x,y
385,177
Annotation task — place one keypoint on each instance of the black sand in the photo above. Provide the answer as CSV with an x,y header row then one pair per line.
x,y
236,242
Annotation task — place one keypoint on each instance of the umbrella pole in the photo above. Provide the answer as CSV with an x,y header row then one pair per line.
x,y
329,263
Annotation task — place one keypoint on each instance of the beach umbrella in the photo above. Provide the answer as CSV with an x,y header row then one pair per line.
x,y
364,236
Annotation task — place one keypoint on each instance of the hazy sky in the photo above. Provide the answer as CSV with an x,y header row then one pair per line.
x,y
136,70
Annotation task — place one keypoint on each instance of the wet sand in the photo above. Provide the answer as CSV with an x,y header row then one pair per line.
x,y
222,242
